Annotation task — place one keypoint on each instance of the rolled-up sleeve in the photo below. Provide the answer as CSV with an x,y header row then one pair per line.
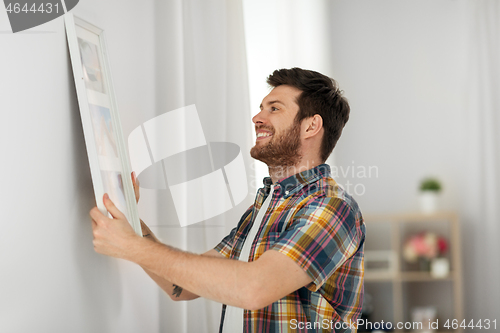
x,y
226,245
320,238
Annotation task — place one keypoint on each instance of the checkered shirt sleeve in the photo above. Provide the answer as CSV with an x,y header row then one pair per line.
x,y
321,237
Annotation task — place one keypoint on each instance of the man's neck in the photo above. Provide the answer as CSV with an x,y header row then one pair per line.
x,y
278,173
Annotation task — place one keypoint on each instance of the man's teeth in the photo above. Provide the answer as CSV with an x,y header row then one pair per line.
x,y
260,135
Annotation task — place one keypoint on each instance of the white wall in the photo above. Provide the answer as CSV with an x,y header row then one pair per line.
x,y
404,66
51,280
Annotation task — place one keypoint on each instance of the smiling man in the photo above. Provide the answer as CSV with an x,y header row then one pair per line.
x,y
294,262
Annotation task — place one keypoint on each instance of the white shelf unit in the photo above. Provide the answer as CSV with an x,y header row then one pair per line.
x,y
409,286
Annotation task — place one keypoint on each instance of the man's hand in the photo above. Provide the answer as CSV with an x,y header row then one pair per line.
x,y
135,183
113,236
146,232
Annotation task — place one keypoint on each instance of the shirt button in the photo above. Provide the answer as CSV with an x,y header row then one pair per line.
x,y
286,192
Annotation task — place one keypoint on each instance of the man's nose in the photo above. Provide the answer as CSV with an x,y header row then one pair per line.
x,y
259,118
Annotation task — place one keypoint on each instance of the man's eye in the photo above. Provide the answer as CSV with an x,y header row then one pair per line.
x,y
274,108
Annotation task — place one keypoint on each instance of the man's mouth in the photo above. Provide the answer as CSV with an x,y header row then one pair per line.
x,y
261,135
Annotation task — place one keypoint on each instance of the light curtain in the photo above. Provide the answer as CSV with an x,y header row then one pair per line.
x,y
481,181
295,34
201,60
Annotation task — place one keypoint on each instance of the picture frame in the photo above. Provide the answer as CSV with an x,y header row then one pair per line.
x,y
108,158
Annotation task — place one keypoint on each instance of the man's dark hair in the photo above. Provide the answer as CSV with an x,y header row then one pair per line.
x,y
320,95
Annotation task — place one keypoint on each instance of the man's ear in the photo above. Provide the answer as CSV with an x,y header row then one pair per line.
x,y
313,125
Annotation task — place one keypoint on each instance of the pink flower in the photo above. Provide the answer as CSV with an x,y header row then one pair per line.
x,y
424,245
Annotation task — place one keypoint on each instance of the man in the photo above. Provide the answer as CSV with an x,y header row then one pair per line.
x,y
294,262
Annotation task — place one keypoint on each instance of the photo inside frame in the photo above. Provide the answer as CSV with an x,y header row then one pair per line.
x,y
92,71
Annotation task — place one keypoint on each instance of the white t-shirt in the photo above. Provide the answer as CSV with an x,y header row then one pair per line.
x,y
233,319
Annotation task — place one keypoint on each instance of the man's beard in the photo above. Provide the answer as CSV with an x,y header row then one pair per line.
x,y
281,151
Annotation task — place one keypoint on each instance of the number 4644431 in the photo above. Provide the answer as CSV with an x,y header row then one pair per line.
x,y
479,324
41,8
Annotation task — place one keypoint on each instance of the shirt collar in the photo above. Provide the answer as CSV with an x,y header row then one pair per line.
x,y
290,185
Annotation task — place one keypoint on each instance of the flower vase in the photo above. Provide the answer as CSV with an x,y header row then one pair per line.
x,y
440,267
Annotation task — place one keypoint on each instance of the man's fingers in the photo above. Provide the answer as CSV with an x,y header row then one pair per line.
x,y
145,229
135,183
110,206
94,223
135,180
97,216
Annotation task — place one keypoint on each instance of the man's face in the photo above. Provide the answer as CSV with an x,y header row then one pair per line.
x,y
278,135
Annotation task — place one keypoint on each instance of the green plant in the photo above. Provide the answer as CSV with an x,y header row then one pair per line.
x,y
430,184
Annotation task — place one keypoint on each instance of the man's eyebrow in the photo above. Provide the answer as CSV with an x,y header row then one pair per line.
x,y
273,102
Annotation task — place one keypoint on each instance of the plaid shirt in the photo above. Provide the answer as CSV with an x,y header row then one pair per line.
x,y
316,223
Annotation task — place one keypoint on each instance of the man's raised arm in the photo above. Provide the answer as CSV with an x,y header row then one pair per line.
x,y
175,292
247,285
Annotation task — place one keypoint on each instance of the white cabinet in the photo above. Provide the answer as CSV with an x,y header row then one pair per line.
x,y
397,287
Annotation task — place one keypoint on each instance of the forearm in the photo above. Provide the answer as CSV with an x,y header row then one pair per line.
x,y
175,292
248,285
222,280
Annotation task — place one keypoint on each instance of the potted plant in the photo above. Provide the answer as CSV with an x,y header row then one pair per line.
x,y
429,191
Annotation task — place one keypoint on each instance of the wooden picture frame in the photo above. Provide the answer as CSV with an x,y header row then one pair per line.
x,y
106,150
